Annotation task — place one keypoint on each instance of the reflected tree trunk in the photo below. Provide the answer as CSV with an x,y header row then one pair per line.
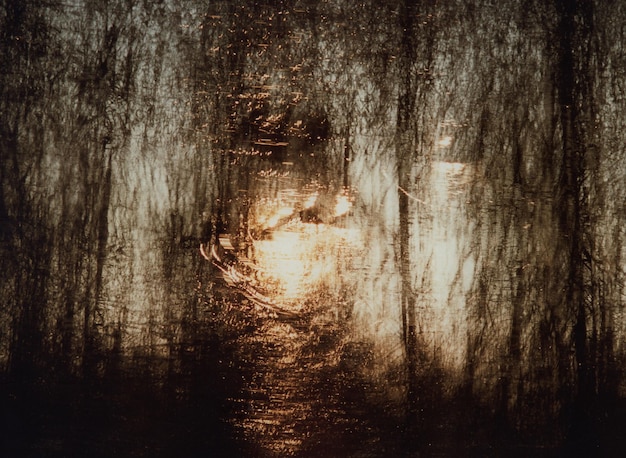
x,y
406,149
576,117
129,126
26,235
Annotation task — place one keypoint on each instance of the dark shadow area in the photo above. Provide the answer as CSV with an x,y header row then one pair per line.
x,y
130,416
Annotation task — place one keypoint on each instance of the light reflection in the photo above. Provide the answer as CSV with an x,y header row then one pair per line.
x,y
343,205
301,259
294,252
300,244
451,265
310,201
304,244
276,217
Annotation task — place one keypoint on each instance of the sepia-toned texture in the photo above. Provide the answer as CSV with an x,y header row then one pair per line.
x,y
312,228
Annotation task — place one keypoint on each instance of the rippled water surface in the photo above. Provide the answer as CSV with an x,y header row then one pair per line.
x,y
312,228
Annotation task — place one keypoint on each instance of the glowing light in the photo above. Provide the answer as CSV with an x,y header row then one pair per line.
x,y
343,205
296,261
310,201
293,257
286,260
449,235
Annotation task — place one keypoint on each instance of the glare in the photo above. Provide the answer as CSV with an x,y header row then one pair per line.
x,y
287,259
297,261
296,257
343,205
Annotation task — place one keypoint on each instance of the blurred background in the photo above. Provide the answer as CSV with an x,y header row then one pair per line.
x,y
312,228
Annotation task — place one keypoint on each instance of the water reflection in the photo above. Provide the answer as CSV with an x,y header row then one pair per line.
x,y
381,196
305,251
295,260
293,247
301,258
451,267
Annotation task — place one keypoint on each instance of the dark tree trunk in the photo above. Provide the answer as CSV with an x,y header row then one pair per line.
x,y
574,99
405,155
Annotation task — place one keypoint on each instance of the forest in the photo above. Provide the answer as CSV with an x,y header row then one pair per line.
x,y
312,228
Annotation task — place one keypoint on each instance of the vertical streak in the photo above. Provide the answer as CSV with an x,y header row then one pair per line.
x,y
405,148
574,31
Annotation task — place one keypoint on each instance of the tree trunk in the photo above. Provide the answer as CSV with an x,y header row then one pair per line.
x,y
574,29
405,150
